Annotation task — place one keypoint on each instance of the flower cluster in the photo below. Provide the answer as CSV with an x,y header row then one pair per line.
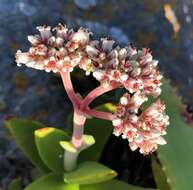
x,y
58,50
143,131
61,49
135,70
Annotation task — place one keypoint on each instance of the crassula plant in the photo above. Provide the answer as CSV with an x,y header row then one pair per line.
x,y
60,50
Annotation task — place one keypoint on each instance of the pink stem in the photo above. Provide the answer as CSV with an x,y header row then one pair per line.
x,y
81,107
100,114
79,118
96,93
78,128
69,88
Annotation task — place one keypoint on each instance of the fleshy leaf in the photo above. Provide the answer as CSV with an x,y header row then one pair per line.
x,y
47,141
68,146
176,157
15,184
101,131
23,132
51,182
88,140
159,176
112,185
88,173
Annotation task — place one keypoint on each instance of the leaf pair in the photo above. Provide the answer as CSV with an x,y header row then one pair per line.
x,y
44,151
41,145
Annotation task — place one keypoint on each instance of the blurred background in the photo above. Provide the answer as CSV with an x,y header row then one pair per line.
x,y
166,27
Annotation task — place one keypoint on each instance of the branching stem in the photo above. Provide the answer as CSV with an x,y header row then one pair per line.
x,y
100,90
81,112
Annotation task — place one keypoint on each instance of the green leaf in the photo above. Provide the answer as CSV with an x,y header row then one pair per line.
x,y
15,184
48,145
35,173
101,131
23,132
112,185
159,176
71,153
89,172
88,140
51,182
68,146
177,156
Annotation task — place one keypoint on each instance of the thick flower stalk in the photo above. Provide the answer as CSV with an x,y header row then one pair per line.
x,y
60,50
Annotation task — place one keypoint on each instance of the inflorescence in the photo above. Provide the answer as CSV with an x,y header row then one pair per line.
x,y
60,50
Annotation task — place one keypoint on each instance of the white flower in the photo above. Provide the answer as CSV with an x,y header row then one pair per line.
x,y
98,74
116,122
34,40
124,77
107,45
81,36
45,32
124,100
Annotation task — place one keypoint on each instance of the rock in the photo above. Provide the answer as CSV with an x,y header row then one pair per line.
x,y
85,4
